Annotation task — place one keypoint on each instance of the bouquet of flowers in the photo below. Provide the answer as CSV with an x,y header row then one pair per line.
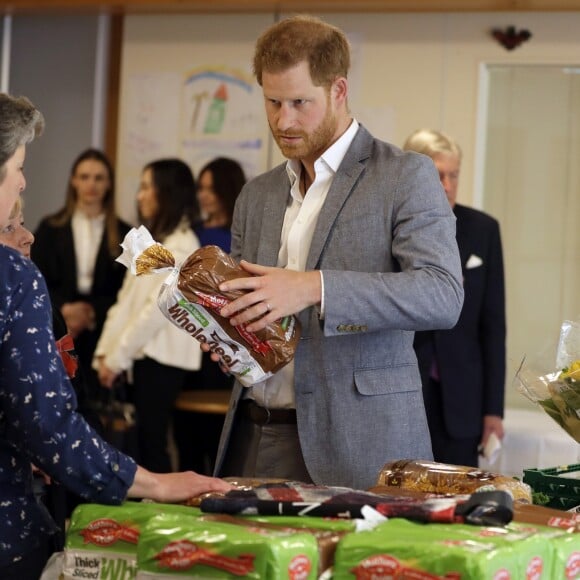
x,y
555,386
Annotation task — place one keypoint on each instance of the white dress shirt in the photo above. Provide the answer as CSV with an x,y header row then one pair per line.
x,y
87,235
298,228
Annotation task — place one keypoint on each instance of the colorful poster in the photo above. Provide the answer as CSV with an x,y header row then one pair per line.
x,y
222,115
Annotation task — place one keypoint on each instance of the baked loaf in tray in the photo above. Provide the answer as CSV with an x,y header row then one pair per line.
x,y
430,476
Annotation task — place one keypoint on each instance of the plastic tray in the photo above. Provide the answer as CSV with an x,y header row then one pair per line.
x,y
564,492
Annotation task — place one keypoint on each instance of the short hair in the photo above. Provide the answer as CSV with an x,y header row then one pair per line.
x,y
20,123
431,143
175,191
303,38
228,178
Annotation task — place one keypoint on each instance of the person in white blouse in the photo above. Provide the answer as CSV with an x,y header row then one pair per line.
x,y
136,336
76,249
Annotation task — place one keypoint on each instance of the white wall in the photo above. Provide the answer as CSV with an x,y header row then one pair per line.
x,y
532,185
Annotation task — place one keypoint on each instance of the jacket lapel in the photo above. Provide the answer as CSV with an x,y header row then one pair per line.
x,y
344,181
273,219
462,235
103,259
69,255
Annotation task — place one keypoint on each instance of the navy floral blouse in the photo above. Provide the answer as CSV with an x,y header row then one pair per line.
x,y
38,421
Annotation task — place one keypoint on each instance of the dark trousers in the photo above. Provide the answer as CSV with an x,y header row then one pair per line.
x,y
197,437
156,387
447,449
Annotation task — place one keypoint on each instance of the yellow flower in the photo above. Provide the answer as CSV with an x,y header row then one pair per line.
x,y
571,372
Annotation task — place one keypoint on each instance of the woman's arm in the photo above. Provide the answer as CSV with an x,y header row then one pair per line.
x,y
38,404
173,487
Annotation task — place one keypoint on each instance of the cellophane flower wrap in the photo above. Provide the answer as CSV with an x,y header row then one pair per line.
x,y
551,379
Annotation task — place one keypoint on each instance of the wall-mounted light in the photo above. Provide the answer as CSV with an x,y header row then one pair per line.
x,y
511,38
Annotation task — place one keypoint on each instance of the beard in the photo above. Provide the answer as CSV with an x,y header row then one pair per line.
x,y
311,145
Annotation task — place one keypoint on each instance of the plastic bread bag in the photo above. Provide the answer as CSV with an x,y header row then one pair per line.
x,y
430,476
190,298
326,538
177,546
551,379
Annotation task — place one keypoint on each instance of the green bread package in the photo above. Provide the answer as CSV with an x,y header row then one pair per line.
x,y
403,550
327,531
542,551
101,541
173,546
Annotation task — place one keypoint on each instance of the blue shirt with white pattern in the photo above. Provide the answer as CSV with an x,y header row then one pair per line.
x,y
38,420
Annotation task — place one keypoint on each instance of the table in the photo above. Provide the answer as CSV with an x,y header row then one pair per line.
x,y
210,401
532,439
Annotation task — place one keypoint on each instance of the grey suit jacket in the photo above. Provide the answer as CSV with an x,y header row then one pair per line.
x,y
385,243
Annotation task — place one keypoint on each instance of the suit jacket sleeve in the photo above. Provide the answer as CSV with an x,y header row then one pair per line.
x,y
419,286
53,255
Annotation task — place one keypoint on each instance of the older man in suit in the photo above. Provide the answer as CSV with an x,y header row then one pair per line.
x,y
463,368
356,238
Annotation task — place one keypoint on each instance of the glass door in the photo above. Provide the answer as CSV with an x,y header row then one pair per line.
x,y
531,184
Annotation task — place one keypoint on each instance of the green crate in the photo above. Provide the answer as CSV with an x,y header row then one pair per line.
x,y
564,492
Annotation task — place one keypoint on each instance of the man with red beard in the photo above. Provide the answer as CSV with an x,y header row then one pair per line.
x,y
357,239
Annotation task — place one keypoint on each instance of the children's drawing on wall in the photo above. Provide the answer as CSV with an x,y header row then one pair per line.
x,y
197,115
149,129
222,116
151,120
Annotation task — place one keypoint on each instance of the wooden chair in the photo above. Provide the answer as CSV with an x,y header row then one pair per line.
x,y
209,401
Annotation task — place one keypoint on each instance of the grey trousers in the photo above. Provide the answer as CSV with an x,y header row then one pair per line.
x,y
265,451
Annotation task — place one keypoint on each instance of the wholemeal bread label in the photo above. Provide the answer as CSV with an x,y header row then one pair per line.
x,y
190,298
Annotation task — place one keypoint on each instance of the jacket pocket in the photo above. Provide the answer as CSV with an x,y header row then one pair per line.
x,y
387,380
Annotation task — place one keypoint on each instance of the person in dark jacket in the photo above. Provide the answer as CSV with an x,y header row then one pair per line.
x,y
463,368
75,250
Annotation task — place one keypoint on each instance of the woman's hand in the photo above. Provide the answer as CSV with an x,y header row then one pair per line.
x,y
174,487
39,473
107,376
